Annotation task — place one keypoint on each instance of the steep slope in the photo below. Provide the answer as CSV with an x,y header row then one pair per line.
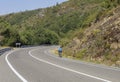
x,y
49,25
87,29
99,43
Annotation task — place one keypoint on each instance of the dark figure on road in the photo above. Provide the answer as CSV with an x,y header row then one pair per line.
x,y
60,52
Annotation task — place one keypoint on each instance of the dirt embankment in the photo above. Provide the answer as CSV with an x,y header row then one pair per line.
x,y
99,43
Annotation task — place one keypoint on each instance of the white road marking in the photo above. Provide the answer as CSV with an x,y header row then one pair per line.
x,y
15,71
90,64
68,69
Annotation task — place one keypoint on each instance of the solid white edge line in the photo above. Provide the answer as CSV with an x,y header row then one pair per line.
x,y
68,69
90,64
11,67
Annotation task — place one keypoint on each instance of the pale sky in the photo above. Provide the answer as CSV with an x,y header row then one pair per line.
x,y
11,6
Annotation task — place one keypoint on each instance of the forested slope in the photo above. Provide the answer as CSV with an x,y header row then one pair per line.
x,y
82,27
49,25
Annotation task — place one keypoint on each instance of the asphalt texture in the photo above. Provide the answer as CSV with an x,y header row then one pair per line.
x,y
38,64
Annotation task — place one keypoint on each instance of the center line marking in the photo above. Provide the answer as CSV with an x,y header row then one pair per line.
x,y
68,69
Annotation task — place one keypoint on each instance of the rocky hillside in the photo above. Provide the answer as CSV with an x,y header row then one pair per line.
x,y
87,29
50,25
100,42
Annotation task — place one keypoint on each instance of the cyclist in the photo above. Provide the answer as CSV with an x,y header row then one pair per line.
x,y
60,51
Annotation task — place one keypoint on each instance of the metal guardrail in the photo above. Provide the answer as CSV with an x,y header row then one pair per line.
x,y
2,51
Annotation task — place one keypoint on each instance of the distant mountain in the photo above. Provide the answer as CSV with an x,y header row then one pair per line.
x,y
74,24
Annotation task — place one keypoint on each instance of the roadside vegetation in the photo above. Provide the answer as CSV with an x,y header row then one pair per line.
x,y
74,24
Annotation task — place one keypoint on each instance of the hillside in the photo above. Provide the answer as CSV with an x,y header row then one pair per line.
x,y
87,29
100,42
49,25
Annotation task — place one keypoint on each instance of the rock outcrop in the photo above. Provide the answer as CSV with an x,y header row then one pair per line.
x,y
100,42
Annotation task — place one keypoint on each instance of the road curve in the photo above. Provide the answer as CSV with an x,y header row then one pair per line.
x,y
37,64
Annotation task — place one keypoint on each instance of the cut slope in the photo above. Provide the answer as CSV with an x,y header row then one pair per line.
x,y
100,43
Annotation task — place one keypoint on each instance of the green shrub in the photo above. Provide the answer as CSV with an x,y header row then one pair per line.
x,y
81,54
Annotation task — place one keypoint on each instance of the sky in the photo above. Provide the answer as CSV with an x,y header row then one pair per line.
x,y
12,6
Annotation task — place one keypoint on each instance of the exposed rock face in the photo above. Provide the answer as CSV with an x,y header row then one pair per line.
x,y
101,41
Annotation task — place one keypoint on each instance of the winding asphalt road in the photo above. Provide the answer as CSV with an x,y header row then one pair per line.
x,y
37,64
